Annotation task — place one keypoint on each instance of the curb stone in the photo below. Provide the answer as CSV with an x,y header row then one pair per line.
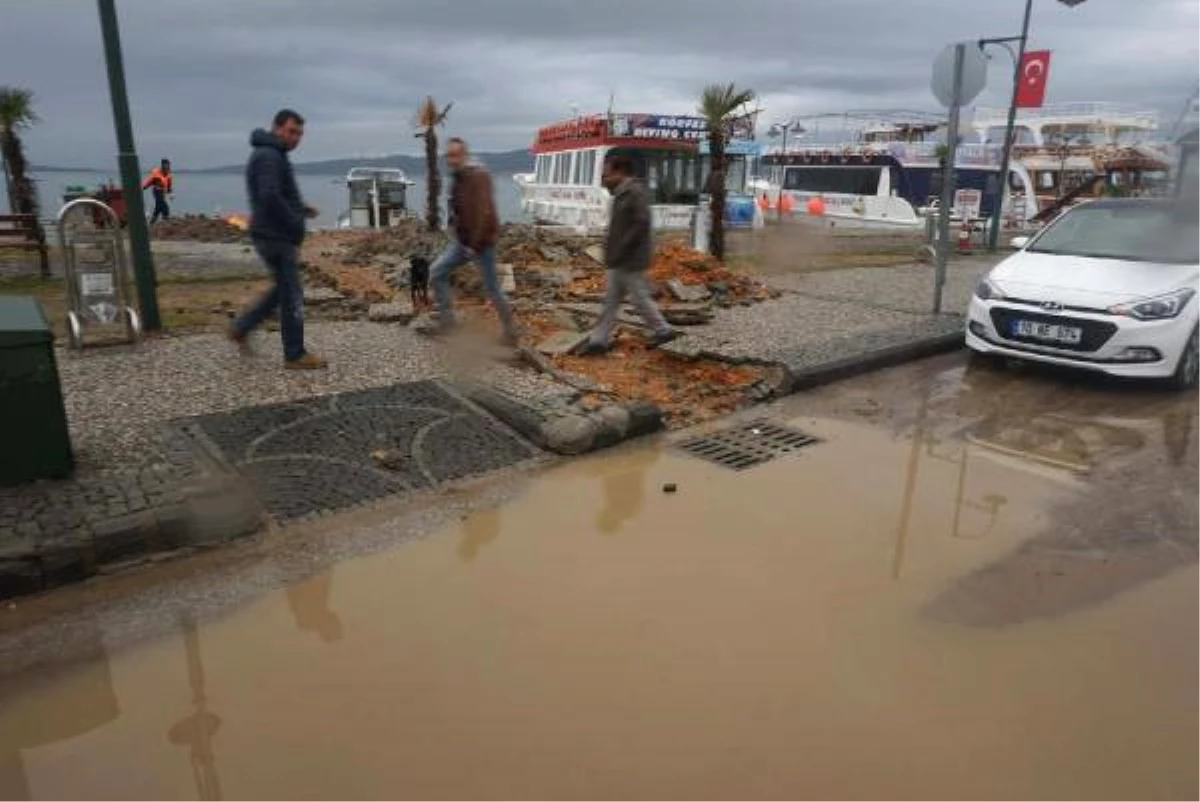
x,y
803,376
214,510
565,428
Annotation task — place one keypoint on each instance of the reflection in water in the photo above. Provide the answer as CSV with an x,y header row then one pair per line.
x,y
479,530
624,489
197,730
1096,543
32,717
989,505
309,601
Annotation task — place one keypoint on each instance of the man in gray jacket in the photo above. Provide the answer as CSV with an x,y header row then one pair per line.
x,y
627,253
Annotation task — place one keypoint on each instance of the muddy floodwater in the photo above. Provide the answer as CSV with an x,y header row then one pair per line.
x,y
976,584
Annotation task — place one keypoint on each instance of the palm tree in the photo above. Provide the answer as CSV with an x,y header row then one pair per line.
x,y
719,104
429,117
16,114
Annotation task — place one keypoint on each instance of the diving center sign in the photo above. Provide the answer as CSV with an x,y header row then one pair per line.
x,y
657,127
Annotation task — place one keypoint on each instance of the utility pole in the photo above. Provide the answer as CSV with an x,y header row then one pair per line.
x,y
1006,156
947,195
131,173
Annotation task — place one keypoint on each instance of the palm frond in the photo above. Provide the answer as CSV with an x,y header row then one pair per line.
x,y
429,115
718,102
16,108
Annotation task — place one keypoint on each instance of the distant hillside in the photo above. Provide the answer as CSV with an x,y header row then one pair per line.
x,y
511,161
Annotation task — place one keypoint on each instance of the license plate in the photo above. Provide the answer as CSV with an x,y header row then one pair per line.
x,y
1051,332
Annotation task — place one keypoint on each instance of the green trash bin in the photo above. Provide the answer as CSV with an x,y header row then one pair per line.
x,y
34,442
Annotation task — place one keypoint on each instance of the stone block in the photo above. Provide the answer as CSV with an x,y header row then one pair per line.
x,y
321,295
19,577
688,293
688,315
562,342
570,434
554,253
396,312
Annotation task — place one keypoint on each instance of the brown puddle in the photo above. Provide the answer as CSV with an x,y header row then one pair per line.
x,y
808,628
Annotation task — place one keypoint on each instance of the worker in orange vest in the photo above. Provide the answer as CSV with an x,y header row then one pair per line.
x,y
161,184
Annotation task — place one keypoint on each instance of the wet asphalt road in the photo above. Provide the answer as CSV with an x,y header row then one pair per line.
x,y
979,583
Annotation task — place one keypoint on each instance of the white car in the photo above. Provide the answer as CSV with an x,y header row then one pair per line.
x,y
1109,286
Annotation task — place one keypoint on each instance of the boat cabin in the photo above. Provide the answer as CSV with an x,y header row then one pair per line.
x,y
378,197
669,154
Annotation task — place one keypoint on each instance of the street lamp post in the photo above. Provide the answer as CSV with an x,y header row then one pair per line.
x,y
776,130
1006,156
127,160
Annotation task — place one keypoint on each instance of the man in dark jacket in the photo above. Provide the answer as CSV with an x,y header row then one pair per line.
x,y
277,215
627,253
476,228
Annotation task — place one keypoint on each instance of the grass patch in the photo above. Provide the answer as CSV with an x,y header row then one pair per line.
x,y
183,305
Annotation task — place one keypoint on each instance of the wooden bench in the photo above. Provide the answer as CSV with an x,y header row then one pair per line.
x,y
24,232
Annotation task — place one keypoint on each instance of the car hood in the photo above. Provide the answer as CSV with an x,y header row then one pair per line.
x,y
1085,281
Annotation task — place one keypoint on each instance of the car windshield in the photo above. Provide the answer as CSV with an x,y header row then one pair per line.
x,y
1154,232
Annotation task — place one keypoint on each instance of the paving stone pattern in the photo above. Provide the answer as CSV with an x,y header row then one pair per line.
x,y
314,456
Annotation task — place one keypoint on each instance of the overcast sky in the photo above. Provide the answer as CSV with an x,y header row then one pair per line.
x,y
202,73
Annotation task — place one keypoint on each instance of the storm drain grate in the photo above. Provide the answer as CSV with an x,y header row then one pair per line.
x,y
747,445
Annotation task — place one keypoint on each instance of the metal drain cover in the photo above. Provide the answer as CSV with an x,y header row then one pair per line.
x,y
748,444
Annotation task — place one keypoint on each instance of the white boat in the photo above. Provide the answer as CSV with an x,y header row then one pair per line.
x,y
378,197
885,170
669,154
1082,149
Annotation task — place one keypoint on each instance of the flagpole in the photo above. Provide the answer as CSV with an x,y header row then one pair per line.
x,y
1006,156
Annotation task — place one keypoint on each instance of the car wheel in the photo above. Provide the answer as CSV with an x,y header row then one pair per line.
x,y
1187,372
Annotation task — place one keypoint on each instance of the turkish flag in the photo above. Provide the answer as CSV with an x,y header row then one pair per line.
x,y
1031,81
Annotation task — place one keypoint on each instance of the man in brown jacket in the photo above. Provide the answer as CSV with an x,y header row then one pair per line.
x,y
475,229
628,250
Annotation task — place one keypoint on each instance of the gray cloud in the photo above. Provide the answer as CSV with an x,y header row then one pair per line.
x,y
202,73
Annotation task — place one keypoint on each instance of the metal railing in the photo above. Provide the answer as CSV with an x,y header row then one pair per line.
x,y
1113,114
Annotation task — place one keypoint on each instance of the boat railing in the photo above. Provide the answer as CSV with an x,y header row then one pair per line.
x,y
381,174
1101,113
968,155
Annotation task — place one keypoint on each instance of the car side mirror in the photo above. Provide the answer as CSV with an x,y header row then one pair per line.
x,y
1018,242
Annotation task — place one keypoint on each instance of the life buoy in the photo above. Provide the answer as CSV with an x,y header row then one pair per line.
x,y
824,157
868,156
847,153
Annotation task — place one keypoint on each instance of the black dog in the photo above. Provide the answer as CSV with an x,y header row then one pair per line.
x,y
418,280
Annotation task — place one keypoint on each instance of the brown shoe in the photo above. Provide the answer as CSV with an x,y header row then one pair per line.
x,y
242,341
306,362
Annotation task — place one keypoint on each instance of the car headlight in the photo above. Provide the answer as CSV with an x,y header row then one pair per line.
x,y
1159,307
987,291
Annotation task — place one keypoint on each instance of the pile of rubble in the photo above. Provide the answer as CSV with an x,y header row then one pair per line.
x,y
556,281
198,228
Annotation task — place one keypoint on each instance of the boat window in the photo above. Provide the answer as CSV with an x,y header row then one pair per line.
x,y
394,195
543,169
845,180
585,162
735,174
562,174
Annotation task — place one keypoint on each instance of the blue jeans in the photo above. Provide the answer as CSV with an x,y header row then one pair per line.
x,y
455,256
283,260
